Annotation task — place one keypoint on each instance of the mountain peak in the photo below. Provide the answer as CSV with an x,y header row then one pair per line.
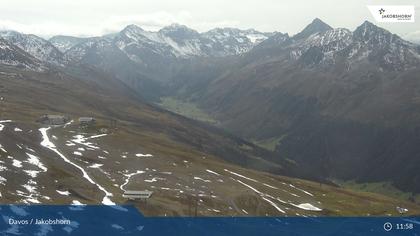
x,y
316,26
175,27
132,28
318,21
179,32
368,30
368,25
366,22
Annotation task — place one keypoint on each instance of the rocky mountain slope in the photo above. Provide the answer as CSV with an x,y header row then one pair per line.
x,y
342,104
12,55
177,41
64,43
36,46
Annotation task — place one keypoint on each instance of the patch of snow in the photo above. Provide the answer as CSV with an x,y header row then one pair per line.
x,y
239,175
263,195
212,172
2,149
17,163
77,203
1,123
273,204
68,123
310,194
143,155
307,206
34,160
270,186
97,136
96,165
401,210
215,210
48,144
204,180
80,139
154,179
32,173
65,193
30,149
2,180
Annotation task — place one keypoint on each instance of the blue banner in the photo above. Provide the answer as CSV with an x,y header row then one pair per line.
x,y
127,220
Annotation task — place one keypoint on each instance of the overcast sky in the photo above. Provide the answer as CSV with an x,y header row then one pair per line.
x,y
97,17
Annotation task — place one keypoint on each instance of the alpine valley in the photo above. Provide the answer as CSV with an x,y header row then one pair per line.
x,y
226,122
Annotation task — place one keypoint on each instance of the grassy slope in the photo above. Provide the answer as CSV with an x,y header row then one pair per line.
x,y
384,188
173,140
187,109
269,144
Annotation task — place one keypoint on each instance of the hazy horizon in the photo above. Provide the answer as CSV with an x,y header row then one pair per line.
x,y
95,18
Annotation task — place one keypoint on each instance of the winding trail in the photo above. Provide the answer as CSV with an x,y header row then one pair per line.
x,y
127,180
48,144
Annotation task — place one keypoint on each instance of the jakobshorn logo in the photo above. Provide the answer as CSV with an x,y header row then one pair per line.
x,y
392,13
381,11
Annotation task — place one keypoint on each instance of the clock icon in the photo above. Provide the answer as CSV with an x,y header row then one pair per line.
x,y
387,226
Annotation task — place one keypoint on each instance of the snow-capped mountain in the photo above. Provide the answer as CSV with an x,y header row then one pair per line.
x,y
185,42
320,44
35,46
316,26
326,42
231,41
64,43
83,49
174,41
137,43
388,50
14,56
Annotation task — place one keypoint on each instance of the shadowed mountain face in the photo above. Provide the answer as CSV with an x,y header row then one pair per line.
x,y
10,54
316,26
146,60
342,104
37,47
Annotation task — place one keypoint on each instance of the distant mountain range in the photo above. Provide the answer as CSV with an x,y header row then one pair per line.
x,y
176,41
342,104
137,46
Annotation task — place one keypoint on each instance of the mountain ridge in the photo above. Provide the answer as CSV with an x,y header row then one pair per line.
x,y
305,91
